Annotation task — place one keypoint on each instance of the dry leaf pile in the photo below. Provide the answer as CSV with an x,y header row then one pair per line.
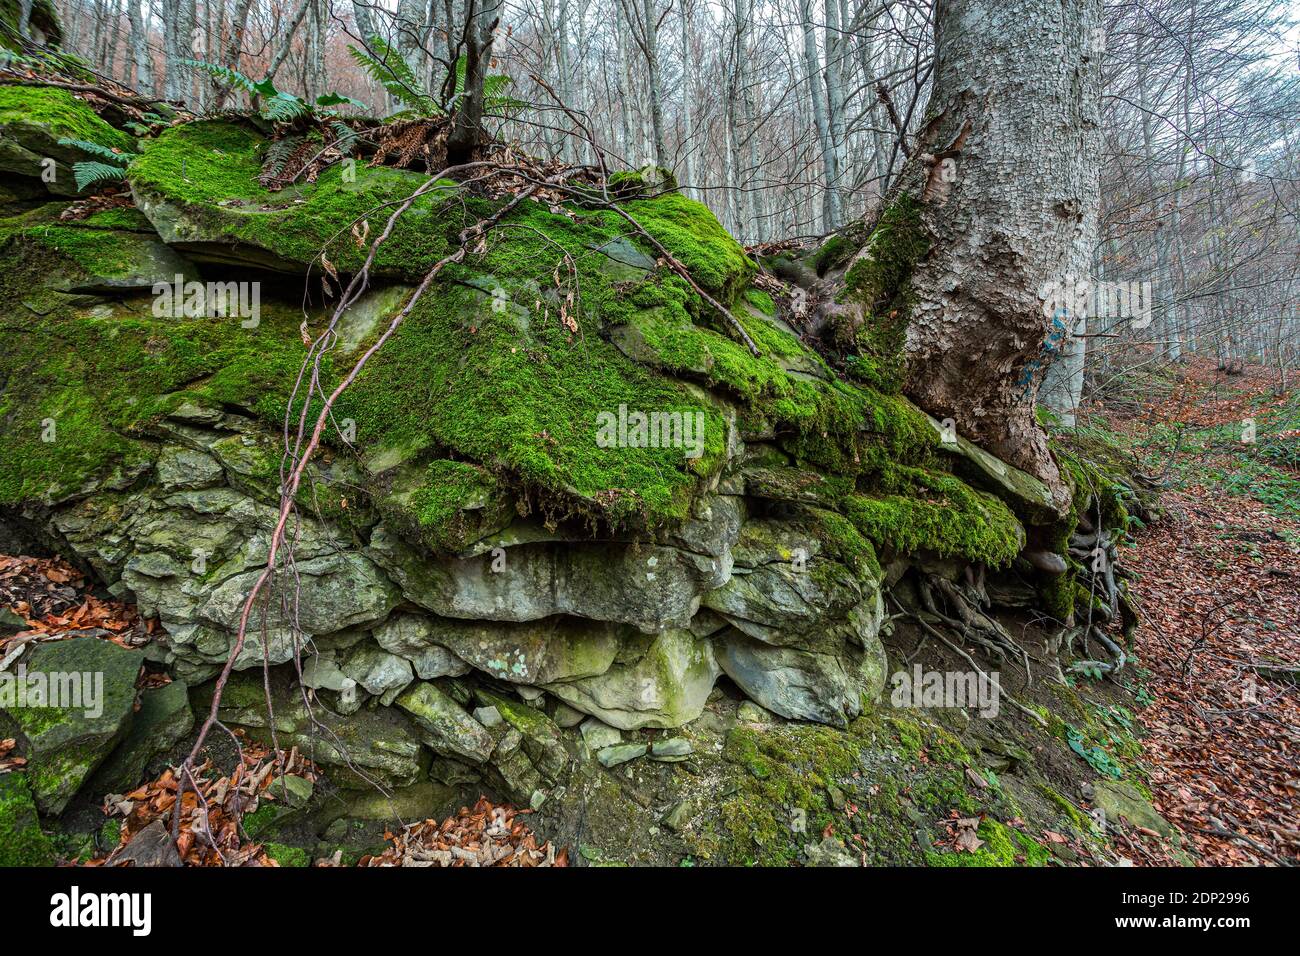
x,y
52,599
486,835
210,833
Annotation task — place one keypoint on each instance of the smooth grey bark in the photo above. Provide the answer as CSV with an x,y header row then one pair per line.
x,y
467,125
178,36
750,195
688,125
140,48
1015,107
286,40
836,47
624,87
812,70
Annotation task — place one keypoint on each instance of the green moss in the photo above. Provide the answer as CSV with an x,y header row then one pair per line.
x,y
831,254
22,843
760,300
695,237
1104,497
94,252
447,500
60,113
918,509
786,772
1077,818
492,391
290,856
264,820
844,542
1003,846
93,376
879,283
110,834
626,184
211,168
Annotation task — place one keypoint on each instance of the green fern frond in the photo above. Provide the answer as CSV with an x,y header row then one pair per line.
x,y
390,70
95,149
230,77
283,107
277,154
92,174
345,137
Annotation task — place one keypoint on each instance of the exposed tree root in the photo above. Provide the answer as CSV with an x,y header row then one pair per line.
x,y
974,626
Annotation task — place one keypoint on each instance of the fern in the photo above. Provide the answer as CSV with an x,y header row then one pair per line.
x,y
95,149
283,107
388,68
345,137
278,154
276,105
232,78
91,174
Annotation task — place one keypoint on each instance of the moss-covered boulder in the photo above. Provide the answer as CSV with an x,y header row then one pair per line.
x,y
108,252
33,121
563,484
79,704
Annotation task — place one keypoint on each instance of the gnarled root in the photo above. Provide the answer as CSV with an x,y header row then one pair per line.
x,y
970,622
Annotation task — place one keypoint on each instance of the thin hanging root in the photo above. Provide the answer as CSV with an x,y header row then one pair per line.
x,y
974,625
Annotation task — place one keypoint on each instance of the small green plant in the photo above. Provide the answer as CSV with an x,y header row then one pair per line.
x,y
94,172
271,103
1097,758
387,67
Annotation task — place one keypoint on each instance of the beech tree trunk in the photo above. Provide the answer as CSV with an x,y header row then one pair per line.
x,y
1006,171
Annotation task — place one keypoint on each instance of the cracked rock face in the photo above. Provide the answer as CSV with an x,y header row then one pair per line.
x,y
401,648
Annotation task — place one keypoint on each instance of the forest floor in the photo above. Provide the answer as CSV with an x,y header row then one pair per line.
x,y
1218,586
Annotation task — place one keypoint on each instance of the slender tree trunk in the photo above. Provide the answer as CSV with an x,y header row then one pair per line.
x,y
140,48
688,74
749,195
286,40
621,28
835,52
812,69
467,125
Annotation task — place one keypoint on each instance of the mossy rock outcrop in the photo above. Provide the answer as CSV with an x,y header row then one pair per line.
x,y
33,122
562,481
